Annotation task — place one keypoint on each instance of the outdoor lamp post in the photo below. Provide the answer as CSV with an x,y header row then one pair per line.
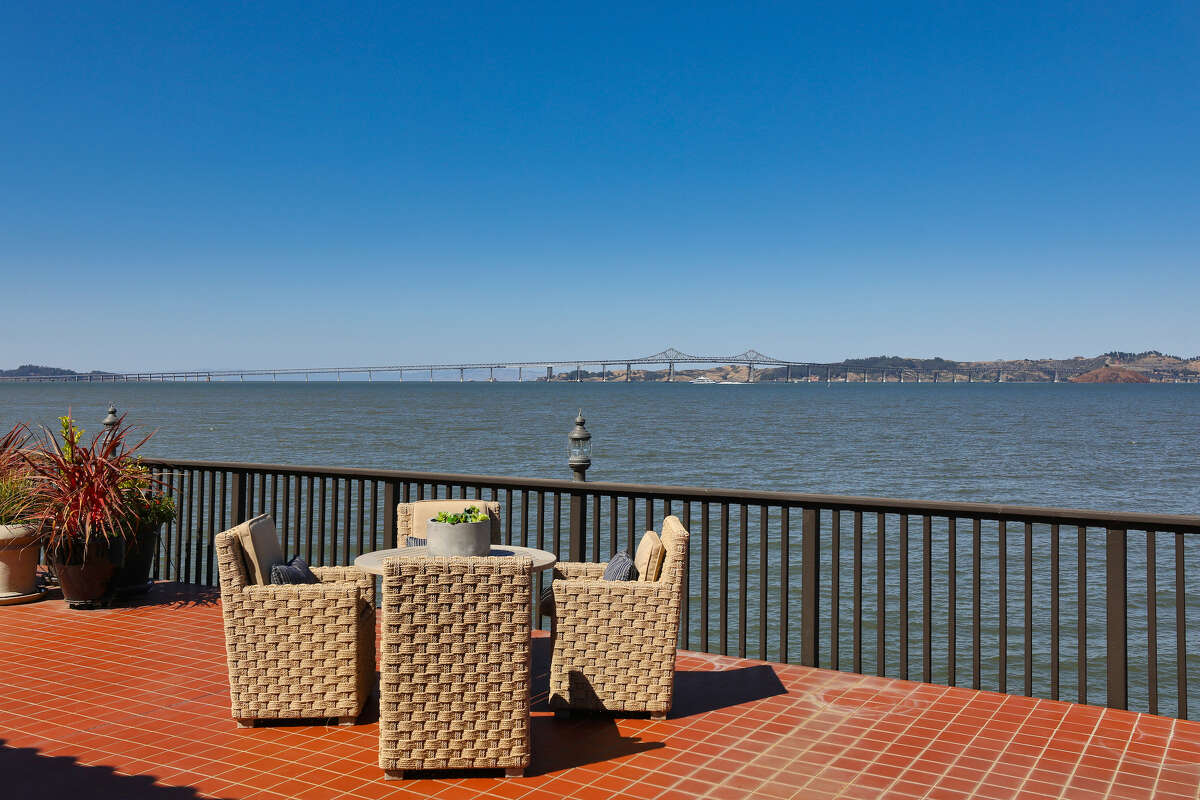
x,y
110,421
580,449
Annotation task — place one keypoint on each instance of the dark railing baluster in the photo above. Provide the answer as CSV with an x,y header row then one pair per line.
x,y
1028,609
596,538
858,590
1054,610
704,561
1181,674
612,524
880,593
763,552
525,518
375,516
186,544
1152,621
810,586
1002,539
1116,582
686,613
976,602
212,529
723,594
835,588
508,517
926,598
952,602
743,558
308,519
360,514
785,536
283,517
904,617
1081,629
339,555
321,527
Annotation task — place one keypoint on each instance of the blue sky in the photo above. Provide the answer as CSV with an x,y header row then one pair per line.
x,y
292,184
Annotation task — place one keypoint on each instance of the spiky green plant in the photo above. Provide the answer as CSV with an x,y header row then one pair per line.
x,y
16,486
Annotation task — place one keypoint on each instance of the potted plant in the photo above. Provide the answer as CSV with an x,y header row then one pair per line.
x,y
18,537
153,510
465,534
87,504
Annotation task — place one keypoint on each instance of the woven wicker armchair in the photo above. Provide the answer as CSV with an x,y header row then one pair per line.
x,y
297,651
411,517
454,665
614,641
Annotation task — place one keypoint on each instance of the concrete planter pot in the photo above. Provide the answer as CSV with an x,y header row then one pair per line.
x,y
463,539
18,564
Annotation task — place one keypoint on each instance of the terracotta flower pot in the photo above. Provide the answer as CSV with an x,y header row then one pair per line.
x,y
18,564
86,578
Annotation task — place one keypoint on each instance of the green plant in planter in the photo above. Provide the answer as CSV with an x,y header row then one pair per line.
x,y
16,484
471,514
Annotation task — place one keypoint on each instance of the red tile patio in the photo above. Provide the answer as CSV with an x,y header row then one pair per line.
x,y
133,703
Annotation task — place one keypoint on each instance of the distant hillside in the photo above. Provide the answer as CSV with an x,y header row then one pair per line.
x,y
1150,366
36,371
1111,375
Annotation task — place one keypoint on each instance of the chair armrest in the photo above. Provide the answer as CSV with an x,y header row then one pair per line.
x,y
571,570
365,581
594,597
342,596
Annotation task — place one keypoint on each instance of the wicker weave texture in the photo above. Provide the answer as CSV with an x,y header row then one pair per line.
x,y
614,641
298,651
454,664
407,512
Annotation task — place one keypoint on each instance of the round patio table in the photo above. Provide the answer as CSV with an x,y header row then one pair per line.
x,y
373,562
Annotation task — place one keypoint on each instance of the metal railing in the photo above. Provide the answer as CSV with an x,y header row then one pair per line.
x,y
1048,602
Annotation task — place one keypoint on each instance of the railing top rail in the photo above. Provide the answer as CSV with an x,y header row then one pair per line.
x,y
1130,520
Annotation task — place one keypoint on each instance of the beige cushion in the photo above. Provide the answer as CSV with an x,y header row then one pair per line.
x,y
649,557
411,517
260,546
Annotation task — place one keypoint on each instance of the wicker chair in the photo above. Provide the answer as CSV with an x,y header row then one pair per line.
x,y
296,651
411,517
454,665
614,641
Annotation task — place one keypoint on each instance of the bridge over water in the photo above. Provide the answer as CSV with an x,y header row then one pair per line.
x,y
669,358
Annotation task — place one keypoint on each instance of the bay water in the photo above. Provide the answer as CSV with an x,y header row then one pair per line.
x,y
1105,447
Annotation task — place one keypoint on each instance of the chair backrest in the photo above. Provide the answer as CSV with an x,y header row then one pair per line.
x,y
675,562
231,562
455,663
411,517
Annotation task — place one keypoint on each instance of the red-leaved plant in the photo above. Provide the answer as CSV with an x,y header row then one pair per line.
x,y
84,492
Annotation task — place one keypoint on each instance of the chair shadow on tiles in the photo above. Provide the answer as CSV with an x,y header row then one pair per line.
x,y
561,744
30,773
701,691
174,595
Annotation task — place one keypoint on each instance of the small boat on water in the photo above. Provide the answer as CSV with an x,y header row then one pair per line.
x,y
702,379
733,383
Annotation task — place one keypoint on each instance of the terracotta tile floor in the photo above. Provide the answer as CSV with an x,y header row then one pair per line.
x,y
132,703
